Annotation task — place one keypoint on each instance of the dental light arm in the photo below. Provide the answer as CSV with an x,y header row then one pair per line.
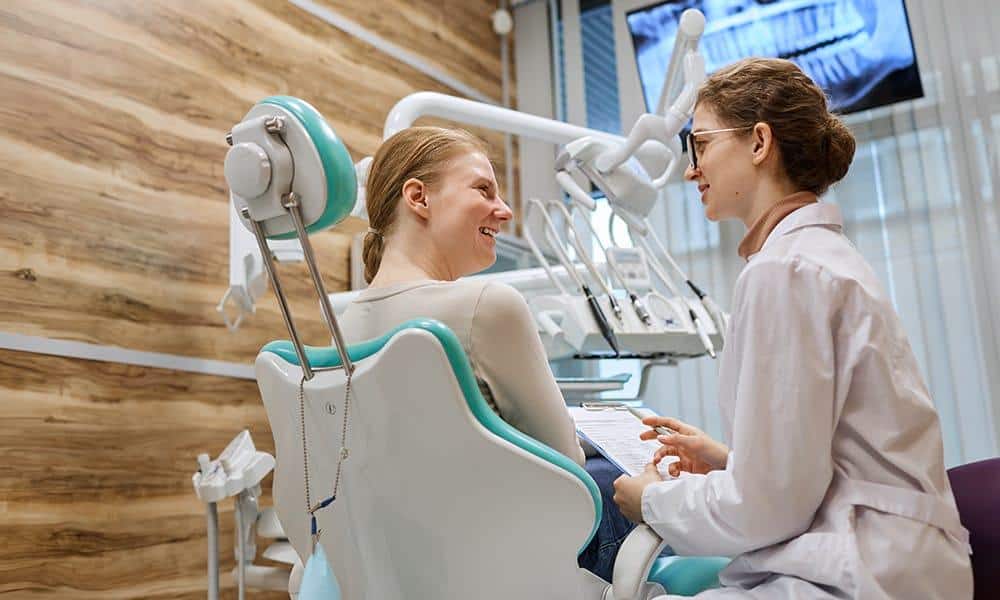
x,y
690,28
665,129
504,120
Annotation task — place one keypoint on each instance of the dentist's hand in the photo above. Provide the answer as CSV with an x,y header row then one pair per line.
x,y
697,451
628,492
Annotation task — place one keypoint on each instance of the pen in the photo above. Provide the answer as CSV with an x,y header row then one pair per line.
x,y
641,414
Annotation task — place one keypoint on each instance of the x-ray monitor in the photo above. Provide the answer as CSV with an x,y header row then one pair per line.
x,y
859,51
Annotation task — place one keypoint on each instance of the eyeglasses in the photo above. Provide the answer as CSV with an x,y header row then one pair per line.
x,y
693,154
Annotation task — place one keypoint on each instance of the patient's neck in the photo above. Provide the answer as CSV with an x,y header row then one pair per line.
x,y
403,263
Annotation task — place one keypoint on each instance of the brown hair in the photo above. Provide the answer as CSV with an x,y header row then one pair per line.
x,y
413,153
816,148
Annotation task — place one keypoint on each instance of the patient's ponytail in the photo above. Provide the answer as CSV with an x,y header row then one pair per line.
x,y
371,252
413,153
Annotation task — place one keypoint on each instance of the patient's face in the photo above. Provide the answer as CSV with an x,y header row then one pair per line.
x,y
467,213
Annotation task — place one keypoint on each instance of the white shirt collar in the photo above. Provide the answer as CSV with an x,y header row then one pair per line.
x,y
818,213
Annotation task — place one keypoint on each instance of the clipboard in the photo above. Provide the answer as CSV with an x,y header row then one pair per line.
x,y
613,430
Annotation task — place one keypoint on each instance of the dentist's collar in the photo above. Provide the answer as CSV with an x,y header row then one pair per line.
x,y
760,232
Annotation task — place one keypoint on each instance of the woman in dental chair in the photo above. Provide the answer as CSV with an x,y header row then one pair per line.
x,y
434,210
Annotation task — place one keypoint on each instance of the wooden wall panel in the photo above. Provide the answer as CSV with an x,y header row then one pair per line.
x,y
95,487
114,230
448,32
111,149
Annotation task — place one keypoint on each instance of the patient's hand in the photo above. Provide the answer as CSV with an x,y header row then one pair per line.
x,y
696,450
628,492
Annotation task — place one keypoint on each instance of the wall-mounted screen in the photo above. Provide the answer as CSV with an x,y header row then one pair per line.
x,y
859,51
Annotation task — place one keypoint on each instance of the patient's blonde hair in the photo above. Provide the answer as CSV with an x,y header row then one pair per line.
x,y
414,153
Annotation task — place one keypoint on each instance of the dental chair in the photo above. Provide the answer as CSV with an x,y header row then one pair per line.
x,y
437,496
440,498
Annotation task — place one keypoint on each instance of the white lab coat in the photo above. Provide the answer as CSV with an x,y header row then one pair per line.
x,y
835,485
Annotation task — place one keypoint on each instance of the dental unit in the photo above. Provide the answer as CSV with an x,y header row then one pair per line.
x,y
630,192
356,535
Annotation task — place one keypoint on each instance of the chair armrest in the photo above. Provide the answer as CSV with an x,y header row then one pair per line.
x,y
635,558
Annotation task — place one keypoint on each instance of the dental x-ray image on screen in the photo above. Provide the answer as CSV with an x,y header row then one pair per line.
x,y
859,51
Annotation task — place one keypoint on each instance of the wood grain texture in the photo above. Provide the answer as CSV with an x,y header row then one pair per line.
x,y
114,226
114,230
95,488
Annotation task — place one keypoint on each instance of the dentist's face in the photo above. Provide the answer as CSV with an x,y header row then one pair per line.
x,y
725,172
467,214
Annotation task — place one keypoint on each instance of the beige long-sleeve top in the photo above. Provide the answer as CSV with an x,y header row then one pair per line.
x,y
497,332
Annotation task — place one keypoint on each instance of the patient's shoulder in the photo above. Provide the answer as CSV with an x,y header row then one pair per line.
x,y
501,315
484,294
499,301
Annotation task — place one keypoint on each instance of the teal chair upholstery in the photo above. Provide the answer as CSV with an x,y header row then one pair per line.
x,y
687,575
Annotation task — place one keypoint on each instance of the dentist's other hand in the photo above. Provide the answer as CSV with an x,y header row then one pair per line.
x,y
628,492
696,450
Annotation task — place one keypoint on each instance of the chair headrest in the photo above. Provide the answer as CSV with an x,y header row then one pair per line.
x,y
284,145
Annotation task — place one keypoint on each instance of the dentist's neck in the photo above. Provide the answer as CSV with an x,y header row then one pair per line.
x,y
768,193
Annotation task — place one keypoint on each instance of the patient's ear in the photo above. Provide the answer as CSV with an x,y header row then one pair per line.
x,y
415,197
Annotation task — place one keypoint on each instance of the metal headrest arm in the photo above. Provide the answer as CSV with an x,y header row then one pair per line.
x,y
290,202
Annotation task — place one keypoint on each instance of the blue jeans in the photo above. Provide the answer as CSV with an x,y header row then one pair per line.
x,y
599,556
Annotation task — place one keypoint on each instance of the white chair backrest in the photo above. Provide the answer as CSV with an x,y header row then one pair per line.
x,y
433,502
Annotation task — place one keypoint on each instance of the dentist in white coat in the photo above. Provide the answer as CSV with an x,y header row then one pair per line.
x,y
831,483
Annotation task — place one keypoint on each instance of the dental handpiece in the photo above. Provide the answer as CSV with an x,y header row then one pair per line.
x,y
700,328
698,325
640,309
602,321
714,312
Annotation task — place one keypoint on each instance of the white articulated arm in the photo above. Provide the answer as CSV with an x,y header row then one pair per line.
x,y
690,28
575,192
663,129
548,227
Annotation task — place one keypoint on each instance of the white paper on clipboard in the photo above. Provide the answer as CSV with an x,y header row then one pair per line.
x,y
614,432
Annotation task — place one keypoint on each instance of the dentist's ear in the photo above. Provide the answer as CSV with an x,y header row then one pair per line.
x,y
763,142
415,197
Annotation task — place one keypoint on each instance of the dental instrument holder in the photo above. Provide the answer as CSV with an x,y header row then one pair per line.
x,y
552,236
237,472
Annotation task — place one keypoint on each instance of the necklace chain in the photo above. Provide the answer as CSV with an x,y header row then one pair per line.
x,y
344,452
